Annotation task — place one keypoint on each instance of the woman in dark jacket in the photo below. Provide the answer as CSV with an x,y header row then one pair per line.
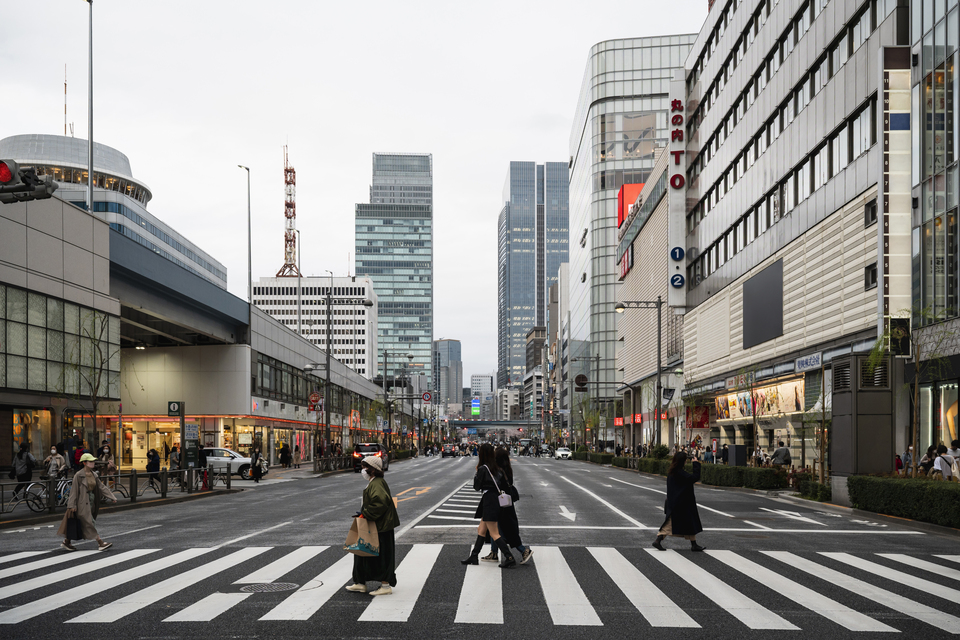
x,y
508,522
256,471
682,517
490,481
153,468
378,507
285,455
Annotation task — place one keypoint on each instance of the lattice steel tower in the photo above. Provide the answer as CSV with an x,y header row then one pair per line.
x,y
289,268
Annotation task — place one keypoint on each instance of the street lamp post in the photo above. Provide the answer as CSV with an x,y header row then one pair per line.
x,y
249,241
299,290
658,305
90,119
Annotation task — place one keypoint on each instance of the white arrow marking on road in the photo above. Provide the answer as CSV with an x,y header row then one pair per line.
x,y
566,514
610,486
868,523
544,484
793,515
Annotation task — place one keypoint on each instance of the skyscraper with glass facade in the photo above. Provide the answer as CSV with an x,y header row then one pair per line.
x,y
394,246
447,372
532,241
621,117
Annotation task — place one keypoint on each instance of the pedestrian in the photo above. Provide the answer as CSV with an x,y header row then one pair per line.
x,y
285,456
943,463
78,452
488,480
53,465
105,458
153,468
103,444
508,523
202,464
682,518
296,457
377,507
908,460
898,463
23,465
82,503
708,455
724,454
926,462
781,457
255,470
954,450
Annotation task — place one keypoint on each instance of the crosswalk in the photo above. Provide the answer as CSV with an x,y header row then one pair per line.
x,y
569,586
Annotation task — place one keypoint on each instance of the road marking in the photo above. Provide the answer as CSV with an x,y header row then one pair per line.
x,y
950,558
922,612
566,514
21,555
651,602
567,602
307,600
793,515
759,526
156,592
282,566
473,526
470,513
481,597
830,609
735,603
250,535
471,517
933,567
209,608
601,500
640,486
544,484
62,574
125,533
415,521
412,574
88,589
895,575
46,562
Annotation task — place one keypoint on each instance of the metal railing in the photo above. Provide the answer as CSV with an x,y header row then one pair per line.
x,y
332,463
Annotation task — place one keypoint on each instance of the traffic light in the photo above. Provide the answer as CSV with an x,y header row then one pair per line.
x,y
19,185
521,429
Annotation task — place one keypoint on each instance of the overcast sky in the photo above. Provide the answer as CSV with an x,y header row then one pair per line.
x,y
188,89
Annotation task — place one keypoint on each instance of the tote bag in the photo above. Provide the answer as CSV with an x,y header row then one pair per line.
x,y
363,539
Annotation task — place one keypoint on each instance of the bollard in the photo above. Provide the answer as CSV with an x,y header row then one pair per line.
x,y
51,495
190,479
163,482
229,474
134,485
210,479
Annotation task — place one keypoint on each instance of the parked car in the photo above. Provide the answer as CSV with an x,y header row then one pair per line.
x,y
449,450
364,449
239,464
563,454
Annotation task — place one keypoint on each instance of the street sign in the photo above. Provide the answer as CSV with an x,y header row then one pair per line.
x,y
388,431
173,409
677,280
314,398
426,396
191,431
580,380
677,253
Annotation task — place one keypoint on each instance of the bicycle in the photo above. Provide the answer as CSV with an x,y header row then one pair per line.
x,y
30,497
40,493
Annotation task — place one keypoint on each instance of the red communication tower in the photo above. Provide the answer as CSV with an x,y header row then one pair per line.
x,y
290,267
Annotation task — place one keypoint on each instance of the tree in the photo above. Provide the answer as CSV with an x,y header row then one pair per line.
x,y
928,341
92,373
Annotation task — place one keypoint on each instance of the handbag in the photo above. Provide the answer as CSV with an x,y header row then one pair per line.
x,y
73,529
363,538
503,498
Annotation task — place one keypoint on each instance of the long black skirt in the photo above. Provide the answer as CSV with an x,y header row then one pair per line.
x,y
382,568
489,508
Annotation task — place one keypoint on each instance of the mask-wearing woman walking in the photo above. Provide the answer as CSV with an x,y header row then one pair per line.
x,y
82,503
682,517
256,471
490,481
378,508
508,522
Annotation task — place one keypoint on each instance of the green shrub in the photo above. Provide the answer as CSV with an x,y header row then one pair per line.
x,y
580,455
401,454
601,458
720,475
764,478
921,499
660,451
582,449
620,462
824,492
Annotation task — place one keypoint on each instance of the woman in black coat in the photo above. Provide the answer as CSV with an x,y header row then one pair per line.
x,y
490,481
508,523
682,517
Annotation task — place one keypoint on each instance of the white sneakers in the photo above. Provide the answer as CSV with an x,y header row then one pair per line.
x,y
359,588
384,590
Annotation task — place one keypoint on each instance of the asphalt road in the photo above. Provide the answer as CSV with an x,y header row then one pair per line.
x,y
267,562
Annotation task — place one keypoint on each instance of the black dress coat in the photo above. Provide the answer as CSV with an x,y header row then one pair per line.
x,y
681,504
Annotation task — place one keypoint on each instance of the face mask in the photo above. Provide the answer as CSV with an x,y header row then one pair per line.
x,y
53,452
106,450
366,476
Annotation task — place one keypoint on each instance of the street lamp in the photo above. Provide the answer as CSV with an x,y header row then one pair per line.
x,y
249,241
658,305
386,398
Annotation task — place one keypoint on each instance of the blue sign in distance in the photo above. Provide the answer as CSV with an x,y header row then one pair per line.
x,y
677,253
677,280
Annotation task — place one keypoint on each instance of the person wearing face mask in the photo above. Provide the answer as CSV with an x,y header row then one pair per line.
x,y
378,507
53,464
108,468
82,503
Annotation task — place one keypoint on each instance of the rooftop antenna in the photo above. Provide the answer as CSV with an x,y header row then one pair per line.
x,y
289,268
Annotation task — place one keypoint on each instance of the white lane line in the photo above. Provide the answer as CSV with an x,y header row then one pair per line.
x,y
699,505
652,603
933,567
412,574
567,602
20,556
758,526
470,517
307,600
481,597
732,601
707,529
892,574
469,513
70,572
250,535
88,589
415,521
282,566
165,588
46,562
923,613
209,608
805,597
602,501
126,533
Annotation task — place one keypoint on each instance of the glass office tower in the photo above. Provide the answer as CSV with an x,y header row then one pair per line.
x,y
532,241
447,372
394,246
621,117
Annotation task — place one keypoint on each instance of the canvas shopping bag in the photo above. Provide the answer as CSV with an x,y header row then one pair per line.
x,y
363,539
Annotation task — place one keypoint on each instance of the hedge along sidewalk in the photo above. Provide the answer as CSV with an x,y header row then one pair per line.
x,y
763,478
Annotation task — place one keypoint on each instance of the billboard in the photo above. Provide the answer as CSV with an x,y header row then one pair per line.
x,y
627,195
475,407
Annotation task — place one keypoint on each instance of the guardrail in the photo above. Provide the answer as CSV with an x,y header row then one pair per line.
x,y
332,463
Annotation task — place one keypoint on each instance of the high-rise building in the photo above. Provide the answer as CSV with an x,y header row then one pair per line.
x,y
447,371
621,117
394,246
481,384
532,241
353,340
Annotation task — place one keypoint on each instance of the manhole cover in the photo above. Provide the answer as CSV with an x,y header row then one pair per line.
x,y
268,587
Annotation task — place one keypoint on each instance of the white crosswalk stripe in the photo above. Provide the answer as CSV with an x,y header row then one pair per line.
x,y
654,583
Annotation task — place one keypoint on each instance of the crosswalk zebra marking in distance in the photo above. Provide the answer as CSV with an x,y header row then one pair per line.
x,y
20,556
307,600
67,573
892,574
938,569
412,574
46,562
922,612
566,601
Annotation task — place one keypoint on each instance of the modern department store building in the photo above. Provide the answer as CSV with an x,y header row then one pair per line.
x,y
779,194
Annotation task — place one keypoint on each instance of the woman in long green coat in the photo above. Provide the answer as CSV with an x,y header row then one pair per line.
x,y
378,507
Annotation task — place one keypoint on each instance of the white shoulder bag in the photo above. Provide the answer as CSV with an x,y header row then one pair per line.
x,y
503,498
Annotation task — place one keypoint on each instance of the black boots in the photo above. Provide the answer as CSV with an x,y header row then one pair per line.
x,y
478,545
508,559
695,547
657,545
